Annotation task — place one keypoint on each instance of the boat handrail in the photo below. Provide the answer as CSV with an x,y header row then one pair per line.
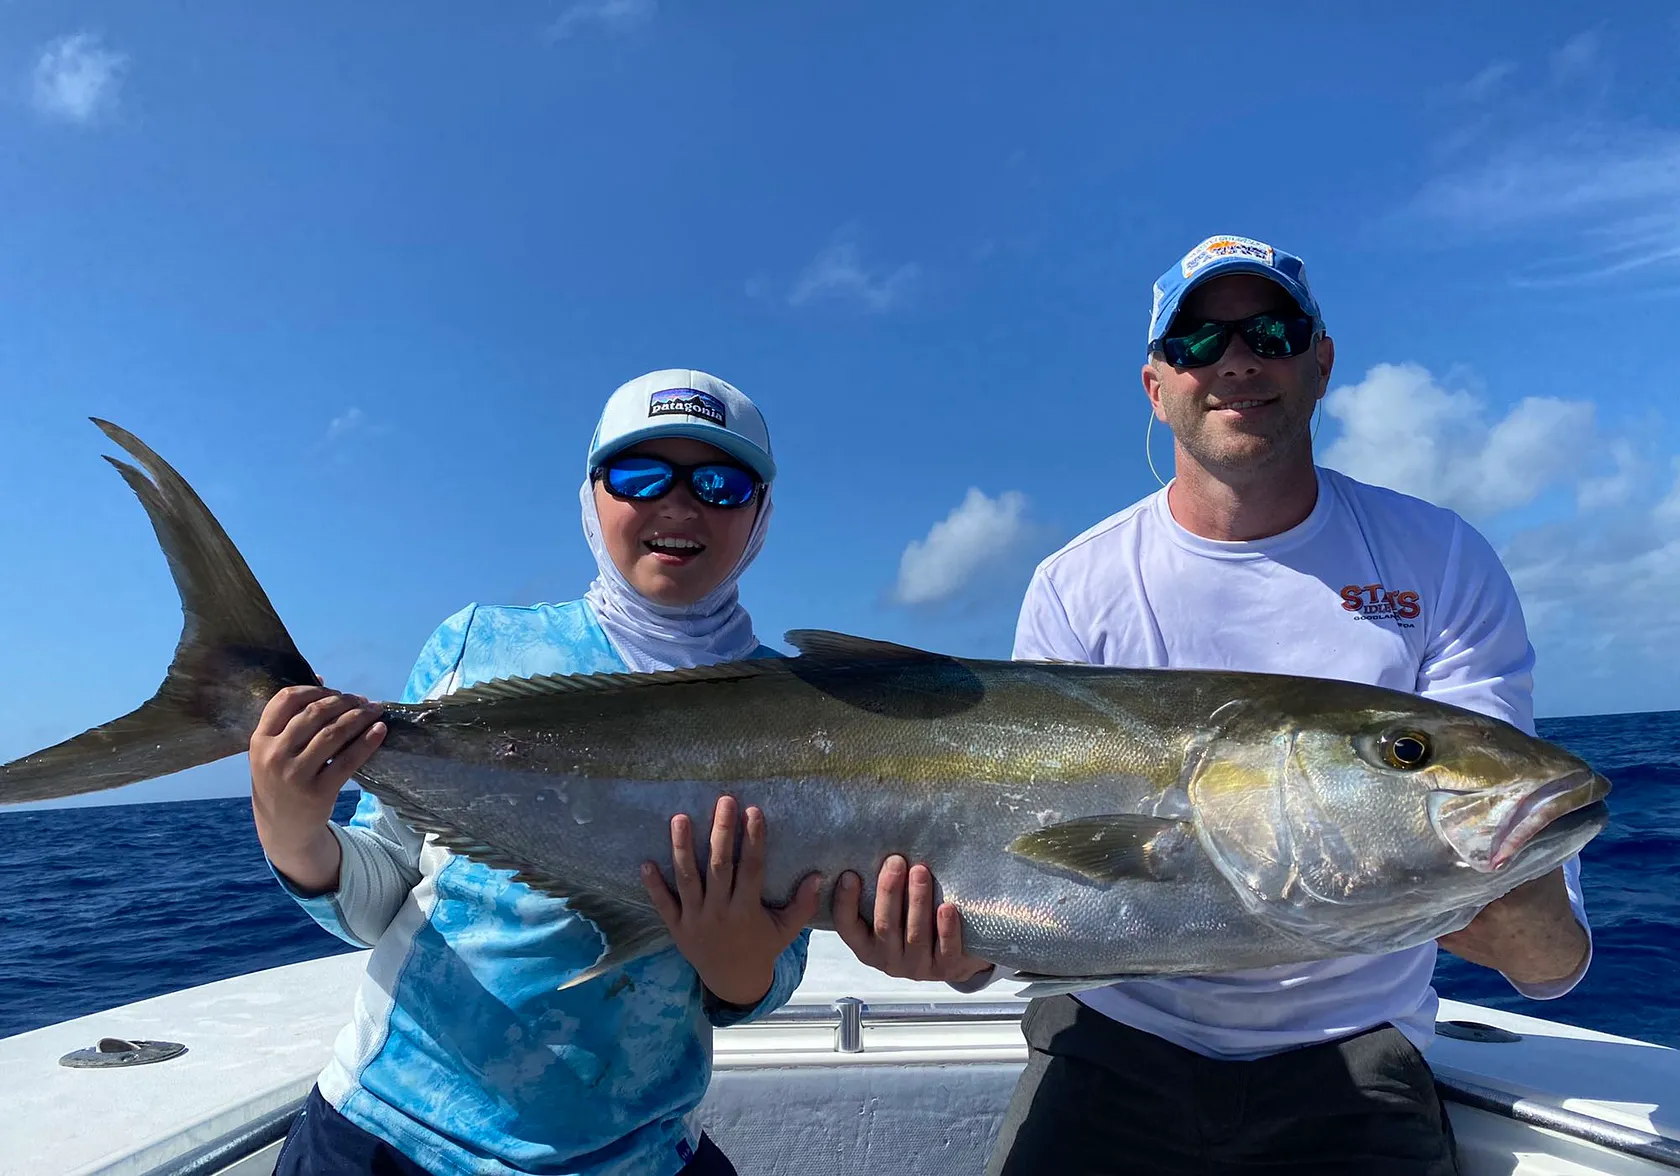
x,y
1657,1149
899,1011
248,1140
850,1015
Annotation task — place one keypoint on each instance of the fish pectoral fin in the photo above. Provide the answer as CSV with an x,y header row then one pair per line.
x,y
1109,848
628,932
823,643
1039,985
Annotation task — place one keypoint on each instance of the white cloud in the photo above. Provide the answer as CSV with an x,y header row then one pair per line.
x,y
345,423
613,16
1589,171
838,272
1618,487
1400,428
1597,591
1486,83
1667,510
76,79
351,424
1595,583
975,539
1583,198
1579,56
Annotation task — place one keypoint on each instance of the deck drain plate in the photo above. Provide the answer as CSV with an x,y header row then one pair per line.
x,y
1475,1031
116,1051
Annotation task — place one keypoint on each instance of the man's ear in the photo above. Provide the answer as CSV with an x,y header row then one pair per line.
x,y
1325,353
1152,389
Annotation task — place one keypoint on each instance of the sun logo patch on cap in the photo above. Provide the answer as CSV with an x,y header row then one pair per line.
x,y
1218,248
686,402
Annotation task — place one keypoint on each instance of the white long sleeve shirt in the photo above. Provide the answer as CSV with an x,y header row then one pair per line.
x,y
1374,587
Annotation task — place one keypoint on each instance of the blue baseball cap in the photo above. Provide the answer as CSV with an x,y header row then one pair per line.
x,y
682,402
1228,255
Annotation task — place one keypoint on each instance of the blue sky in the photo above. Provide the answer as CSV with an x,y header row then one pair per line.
x,y
366,273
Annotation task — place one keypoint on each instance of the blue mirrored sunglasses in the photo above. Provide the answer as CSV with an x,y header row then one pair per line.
x,y
640,478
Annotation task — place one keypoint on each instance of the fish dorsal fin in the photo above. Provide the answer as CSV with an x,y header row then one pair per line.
x,y
500,689
822,643
1109,848
813,644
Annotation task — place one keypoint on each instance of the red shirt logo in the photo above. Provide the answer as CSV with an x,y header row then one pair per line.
x,y
1376,603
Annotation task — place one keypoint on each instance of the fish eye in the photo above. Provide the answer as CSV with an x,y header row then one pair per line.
x,y
1406,750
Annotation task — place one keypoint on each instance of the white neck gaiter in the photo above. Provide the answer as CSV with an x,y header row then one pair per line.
x,y
651,636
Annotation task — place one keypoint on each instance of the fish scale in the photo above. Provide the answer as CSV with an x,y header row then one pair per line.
x,y
1088,822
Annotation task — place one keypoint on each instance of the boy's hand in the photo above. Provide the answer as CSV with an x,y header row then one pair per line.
x,y
308,743
721,924
911,937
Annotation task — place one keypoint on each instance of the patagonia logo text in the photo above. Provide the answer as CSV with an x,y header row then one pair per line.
x,y
686,402
1376,603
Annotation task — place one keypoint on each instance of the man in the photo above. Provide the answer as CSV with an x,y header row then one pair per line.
x,y
1255,558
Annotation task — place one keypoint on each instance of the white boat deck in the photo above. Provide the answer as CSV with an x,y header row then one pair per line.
x,y
255,1043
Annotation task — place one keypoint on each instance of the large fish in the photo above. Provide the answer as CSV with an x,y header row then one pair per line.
x,y
1089,822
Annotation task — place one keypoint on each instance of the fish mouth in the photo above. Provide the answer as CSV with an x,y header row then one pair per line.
x,y
1542,807
1488,829
1595,814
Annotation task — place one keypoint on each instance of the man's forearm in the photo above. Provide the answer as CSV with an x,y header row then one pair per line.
x,y
1531,935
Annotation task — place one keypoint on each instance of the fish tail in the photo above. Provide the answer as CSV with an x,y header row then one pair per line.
x,y
233,655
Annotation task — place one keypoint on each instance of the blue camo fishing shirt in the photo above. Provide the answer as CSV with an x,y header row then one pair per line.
x,y
460,1050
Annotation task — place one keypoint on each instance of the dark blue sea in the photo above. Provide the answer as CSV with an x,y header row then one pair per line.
x,y
102,906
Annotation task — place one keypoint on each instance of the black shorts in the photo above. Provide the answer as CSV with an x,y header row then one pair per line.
x,y
323,1142
1101,1097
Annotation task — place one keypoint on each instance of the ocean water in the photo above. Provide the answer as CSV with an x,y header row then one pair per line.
x,y
102,906
1630,878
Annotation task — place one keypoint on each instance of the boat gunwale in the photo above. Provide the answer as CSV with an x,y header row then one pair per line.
x,y
849,1015
242,1143
1644,1145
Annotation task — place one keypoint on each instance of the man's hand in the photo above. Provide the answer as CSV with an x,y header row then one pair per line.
x,y
1531,935
721,924
918,944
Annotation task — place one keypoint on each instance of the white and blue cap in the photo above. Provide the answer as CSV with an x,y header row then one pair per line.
x,y
682,402
1229,255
